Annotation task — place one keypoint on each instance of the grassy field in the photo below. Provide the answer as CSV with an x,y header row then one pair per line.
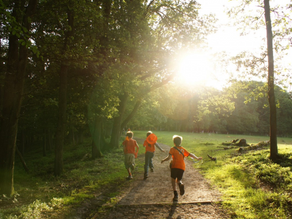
x,y
252,185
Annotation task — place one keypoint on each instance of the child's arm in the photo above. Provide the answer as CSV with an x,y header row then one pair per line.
x,y
123,145
161,149
136,146
167,158
194,156
124,148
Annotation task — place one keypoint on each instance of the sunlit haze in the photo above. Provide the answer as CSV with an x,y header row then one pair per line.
x,y
197,69
194,68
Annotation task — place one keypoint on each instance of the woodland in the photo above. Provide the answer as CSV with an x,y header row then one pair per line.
x,y
94,68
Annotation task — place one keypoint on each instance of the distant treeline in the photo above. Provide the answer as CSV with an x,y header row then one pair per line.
x,y
241,108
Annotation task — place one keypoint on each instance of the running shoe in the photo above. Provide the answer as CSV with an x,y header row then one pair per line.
x,y
129,177
175,198
181,188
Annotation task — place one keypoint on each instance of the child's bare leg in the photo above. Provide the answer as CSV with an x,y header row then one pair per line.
x,y
129,172
173,182
181,187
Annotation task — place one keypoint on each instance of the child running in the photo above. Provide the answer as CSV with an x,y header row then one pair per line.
x,y
130,145
178,153
149,144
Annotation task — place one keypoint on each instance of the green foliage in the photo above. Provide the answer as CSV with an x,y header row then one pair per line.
x,y
258,186
44,194
240,108
249,17
277,175
36,209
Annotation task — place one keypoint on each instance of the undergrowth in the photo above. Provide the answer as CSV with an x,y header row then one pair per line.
x,y
39,194
253,186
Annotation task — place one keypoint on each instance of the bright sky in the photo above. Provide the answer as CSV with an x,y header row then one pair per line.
x,y
227,37
195,68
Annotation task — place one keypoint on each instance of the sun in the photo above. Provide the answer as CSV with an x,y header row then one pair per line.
x,y
199,69
194,69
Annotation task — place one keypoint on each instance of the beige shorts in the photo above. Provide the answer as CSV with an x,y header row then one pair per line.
x,y
129,160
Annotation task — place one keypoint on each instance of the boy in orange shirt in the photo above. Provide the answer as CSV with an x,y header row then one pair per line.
x,y
178,153
149,144
130,145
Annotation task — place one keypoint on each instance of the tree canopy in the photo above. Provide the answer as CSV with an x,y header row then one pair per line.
x,y
93,68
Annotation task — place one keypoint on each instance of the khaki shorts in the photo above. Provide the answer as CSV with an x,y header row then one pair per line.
x,y
129,160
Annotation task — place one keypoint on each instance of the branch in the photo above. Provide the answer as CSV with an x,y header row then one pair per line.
x,y
130,116
148,6
138,103
161,83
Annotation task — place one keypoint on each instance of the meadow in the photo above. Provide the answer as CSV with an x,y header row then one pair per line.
x,y
252,185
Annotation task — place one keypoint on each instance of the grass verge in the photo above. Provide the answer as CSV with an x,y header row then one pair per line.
x,y
40,194
252,185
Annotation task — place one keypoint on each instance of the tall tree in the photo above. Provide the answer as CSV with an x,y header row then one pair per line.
x,y
256,65
271,93
66,38
157,29
17,18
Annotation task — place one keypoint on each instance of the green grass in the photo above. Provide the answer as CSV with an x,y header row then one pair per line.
x,y
39,193
251,184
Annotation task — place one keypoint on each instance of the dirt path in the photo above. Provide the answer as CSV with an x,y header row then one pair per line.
x,y
152,198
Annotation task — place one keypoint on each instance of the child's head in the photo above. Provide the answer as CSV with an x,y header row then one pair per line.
x,y
177,140
148,133
129,134
151,138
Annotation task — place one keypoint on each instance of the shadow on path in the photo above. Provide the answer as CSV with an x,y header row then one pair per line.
x,y
157,188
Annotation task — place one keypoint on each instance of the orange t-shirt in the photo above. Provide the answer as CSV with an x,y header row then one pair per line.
x,y
149,147
177,158
130,145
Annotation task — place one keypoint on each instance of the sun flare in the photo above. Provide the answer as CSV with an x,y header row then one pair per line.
x,y
194,69
200,69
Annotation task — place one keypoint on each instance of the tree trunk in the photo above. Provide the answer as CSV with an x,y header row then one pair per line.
x,y
22,160
96,139
50,139
271,94
116,133
12,97
44,137
23,139
73,136
60,134
118,124
130,116
62,118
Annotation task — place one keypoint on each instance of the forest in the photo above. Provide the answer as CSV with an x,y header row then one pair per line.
x,y
73,69
233,110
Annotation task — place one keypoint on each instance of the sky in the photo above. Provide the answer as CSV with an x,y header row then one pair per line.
x,y
228,37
